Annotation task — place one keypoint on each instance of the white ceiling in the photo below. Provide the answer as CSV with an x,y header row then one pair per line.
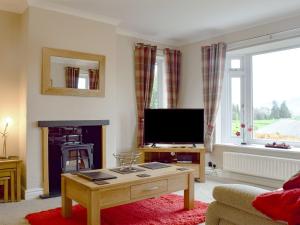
x,y
17,6
176,21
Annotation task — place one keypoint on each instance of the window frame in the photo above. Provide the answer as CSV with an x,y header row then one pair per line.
x,y
226,102
246,75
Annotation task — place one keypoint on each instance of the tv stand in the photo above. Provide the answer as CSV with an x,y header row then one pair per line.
x,y
191,157
153,145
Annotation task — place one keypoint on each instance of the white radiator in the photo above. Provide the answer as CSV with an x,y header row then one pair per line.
x,y
261,166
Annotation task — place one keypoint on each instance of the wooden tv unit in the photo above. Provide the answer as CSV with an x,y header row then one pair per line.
x,y
150,154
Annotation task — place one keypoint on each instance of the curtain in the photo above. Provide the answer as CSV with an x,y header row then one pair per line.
x,y
145,57
72,77
213,65
173,64
93,79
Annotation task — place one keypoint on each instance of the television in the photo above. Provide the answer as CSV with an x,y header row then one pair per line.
x,y
173,126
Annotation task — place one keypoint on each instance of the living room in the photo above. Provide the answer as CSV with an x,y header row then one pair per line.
x,y
266,32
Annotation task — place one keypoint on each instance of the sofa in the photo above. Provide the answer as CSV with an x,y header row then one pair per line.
x,y
232,206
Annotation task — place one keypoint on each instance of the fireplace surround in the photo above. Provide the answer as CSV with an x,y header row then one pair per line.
x,y
70,146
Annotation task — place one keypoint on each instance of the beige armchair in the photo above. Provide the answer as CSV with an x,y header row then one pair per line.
x,y
232,206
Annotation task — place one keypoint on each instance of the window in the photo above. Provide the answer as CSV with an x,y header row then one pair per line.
x,y
261,91
159,92
83,81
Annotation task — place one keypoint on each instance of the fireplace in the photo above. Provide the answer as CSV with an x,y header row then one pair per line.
x,y
68,147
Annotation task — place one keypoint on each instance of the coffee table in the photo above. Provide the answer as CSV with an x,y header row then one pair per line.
x,y
126,188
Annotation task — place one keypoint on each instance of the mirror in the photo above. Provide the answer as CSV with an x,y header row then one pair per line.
x,y
72,73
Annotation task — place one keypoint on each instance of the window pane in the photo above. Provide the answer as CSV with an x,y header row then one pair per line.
x,y
236,104
235,64
276,96
81,83
155,91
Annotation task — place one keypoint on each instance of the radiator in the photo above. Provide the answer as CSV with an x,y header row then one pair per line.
x,y
261,166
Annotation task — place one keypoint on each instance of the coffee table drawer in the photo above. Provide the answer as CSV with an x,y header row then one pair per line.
x,y
114,196
144,190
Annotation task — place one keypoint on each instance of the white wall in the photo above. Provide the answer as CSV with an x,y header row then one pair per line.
x,y
9,79
126,99
56,30
191,94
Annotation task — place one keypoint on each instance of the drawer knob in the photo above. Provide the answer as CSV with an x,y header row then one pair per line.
x,y
152,188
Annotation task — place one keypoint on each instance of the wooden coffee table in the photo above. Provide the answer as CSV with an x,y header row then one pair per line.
x,y
125,189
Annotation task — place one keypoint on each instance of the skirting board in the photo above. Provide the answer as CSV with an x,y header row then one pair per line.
x,y
33,193
231,177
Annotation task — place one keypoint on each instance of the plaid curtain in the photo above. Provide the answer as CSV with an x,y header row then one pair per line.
x,y
145,57
213,65
93,79
173,64
72,77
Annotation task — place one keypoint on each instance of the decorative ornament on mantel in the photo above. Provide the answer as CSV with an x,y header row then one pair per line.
x,y
242,133
4,135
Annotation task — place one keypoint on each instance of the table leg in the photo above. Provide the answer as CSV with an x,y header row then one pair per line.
x,y
18,182
66,203
189,193
142,157
202,167
6,191
12,185
93,210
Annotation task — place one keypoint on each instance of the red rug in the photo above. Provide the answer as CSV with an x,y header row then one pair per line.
x,y
166,210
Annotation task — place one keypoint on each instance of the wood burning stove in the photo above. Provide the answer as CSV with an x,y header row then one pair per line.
x,y
76,157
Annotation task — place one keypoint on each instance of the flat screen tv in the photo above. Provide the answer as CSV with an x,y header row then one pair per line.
x,y
173,126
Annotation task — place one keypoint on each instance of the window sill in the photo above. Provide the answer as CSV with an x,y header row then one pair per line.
x,y
255,148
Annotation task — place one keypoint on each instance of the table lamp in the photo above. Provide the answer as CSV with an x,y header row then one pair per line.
x,y
4,134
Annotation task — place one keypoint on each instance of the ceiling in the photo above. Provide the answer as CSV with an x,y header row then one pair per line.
x,y
175,21
17,6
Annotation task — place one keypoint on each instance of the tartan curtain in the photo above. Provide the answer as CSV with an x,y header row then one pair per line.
x,y
72,77
173,66
145,57
213,65
93,79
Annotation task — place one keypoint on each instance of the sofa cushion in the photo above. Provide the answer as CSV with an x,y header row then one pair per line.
x,y
238,196
280,205
293,182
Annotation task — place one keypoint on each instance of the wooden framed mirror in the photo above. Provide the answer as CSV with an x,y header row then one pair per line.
x,y
72,73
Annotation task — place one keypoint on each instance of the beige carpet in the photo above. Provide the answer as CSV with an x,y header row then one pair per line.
x,y
13,213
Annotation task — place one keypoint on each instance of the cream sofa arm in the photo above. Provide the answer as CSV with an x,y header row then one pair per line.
x,y
238,196
233,206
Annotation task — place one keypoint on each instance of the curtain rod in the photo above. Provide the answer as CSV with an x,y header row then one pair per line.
x,y
160,49
270,35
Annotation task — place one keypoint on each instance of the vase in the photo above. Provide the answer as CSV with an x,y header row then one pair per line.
x,y
243,137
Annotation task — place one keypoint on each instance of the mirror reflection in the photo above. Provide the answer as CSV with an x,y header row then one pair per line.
x,y
74,73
